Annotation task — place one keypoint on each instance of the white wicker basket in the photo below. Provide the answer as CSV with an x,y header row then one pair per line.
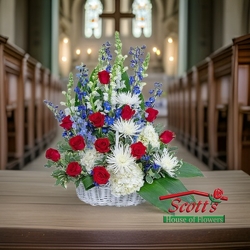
x,y
101,196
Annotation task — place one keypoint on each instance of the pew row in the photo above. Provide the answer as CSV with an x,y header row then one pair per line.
x,y
213,118
26,127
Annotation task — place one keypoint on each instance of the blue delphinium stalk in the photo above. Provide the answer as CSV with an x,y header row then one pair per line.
x,y
59,114
81,88
105,57
139,66
154,93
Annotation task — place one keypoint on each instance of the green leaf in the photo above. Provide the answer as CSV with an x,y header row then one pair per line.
x,y
126,79
149,179
174,148
152,192
88,182
63,146
188,170
174,186
49,164
157,175
142,105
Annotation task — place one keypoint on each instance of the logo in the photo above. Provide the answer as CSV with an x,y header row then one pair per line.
x,y
209,205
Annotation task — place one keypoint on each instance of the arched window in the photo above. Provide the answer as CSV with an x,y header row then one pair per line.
x,y
142,23
93,23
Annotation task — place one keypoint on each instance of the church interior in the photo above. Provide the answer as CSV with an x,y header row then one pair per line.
x,y
200,52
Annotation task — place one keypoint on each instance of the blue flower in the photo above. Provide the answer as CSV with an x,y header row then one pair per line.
x,y
118,113
131,80
151,91
159,92
136,90
151,99
156,166
107,106
109,120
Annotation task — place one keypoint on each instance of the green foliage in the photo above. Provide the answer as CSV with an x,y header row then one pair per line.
x,y
189,170
88,182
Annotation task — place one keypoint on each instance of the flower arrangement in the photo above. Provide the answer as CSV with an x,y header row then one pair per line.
x,y
110,138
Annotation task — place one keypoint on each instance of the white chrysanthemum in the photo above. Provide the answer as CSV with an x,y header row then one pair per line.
x,y
126,127
88,158
120,160
148,135
126,183
129,99
168,162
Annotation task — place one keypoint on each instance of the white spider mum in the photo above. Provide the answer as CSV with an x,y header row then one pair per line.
x,y
148,135
126,127
120,160
168,162
88,159
127,183
129,99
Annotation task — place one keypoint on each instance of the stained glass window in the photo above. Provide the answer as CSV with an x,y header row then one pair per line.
x,y
142,23
93,23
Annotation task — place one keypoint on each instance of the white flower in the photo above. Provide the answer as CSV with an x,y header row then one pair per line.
x,y
120,160
129,99
126,127
148,135
88,159
168,162
128,182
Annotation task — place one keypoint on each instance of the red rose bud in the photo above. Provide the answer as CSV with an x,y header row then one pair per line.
x,y
66,123
138,150
52,154
218,193
100,175
77,142
104,77
152,114
127,112
97,119
73,169
102,145
167,136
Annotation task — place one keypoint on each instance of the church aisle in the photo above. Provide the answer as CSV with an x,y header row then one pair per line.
x,y
182,153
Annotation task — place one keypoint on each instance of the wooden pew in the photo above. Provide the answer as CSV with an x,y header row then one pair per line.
x,y
26,125
202,110
3,118
29,109
186,108
171,106
220,106
241,104
39,107
14,71
193,142
180,110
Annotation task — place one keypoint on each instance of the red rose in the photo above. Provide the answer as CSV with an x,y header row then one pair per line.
x,y
73,169
77,142
218,193
102,145
167,136
127,112
104,77
100,175
152,113
52,154
97,119
138,150
66,123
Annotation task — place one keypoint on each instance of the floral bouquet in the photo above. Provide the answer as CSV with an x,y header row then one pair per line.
x,y
110,139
